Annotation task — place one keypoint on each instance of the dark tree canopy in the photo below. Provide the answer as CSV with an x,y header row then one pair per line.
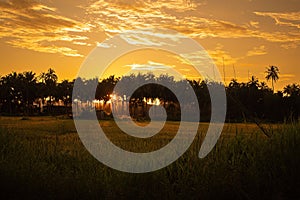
x,y
21,92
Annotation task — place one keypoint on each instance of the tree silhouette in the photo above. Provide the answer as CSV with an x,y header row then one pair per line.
x,y
28,81
11,92
253,83
292,101
105,88
64,92
18,92
48,87
245,101
49,79
272,73
292,90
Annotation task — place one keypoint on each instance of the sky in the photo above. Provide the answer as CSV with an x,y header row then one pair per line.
x,y
246,35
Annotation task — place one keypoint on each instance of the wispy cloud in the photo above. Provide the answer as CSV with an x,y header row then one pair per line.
x,y
289,46
291,19
38,27
254,24
150,66
290,22
286,77
151,37
115,16
221,56
257,51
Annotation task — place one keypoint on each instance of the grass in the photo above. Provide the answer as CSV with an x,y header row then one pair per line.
x,y
43,158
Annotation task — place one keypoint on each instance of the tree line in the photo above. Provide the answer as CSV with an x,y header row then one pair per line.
x,y
20,93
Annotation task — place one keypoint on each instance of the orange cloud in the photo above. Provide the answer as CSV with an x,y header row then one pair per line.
x,y
291,19
257,51
220,56
116,16
32,25
286,77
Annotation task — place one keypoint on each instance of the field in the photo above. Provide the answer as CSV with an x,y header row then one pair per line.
x,y
43,158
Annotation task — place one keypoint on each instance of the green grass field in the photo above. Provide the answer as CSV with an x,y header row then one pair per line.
x,y
43,158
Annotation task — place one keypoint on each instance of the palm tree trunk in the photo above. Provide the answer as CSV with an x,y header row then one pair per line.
x,y
273,85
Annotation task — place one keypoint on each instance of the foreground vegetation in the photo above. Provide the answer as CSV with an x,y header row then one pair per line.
x,y
43,158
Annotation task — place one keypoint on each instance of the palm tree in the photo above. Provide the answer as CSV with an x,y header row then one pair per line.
x,y
272,73
49,85
253,83
49,78
292,90
64,92
28,80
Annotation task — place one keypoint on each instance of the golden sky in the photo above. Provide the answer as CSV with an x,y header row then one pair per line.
x,y
249,34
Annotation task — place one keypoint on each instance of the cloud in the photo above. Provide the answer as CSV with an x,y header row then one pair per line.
x,y
289,46
82,43
254,24
287,77
290,22
291,19
257,51
104,45
221,56
151,37
34,26
115,16
150,66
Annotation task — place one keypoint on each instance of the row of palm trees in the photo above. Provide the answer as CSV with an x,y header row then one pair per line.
x,y
21,93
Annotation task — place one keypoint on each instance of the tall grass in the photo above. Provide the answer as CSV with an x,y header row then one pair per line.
x,y
45,159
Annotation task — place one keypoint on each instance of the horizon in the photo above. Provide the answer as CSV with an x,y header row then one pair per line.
x,y
59,80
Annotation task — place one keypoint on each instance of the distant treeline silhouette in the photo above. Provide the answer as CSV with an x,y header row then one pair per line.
x,y
22,94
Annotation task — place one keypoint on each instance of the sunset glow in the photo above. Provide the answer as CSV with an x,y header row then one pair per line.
x,y
242,36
